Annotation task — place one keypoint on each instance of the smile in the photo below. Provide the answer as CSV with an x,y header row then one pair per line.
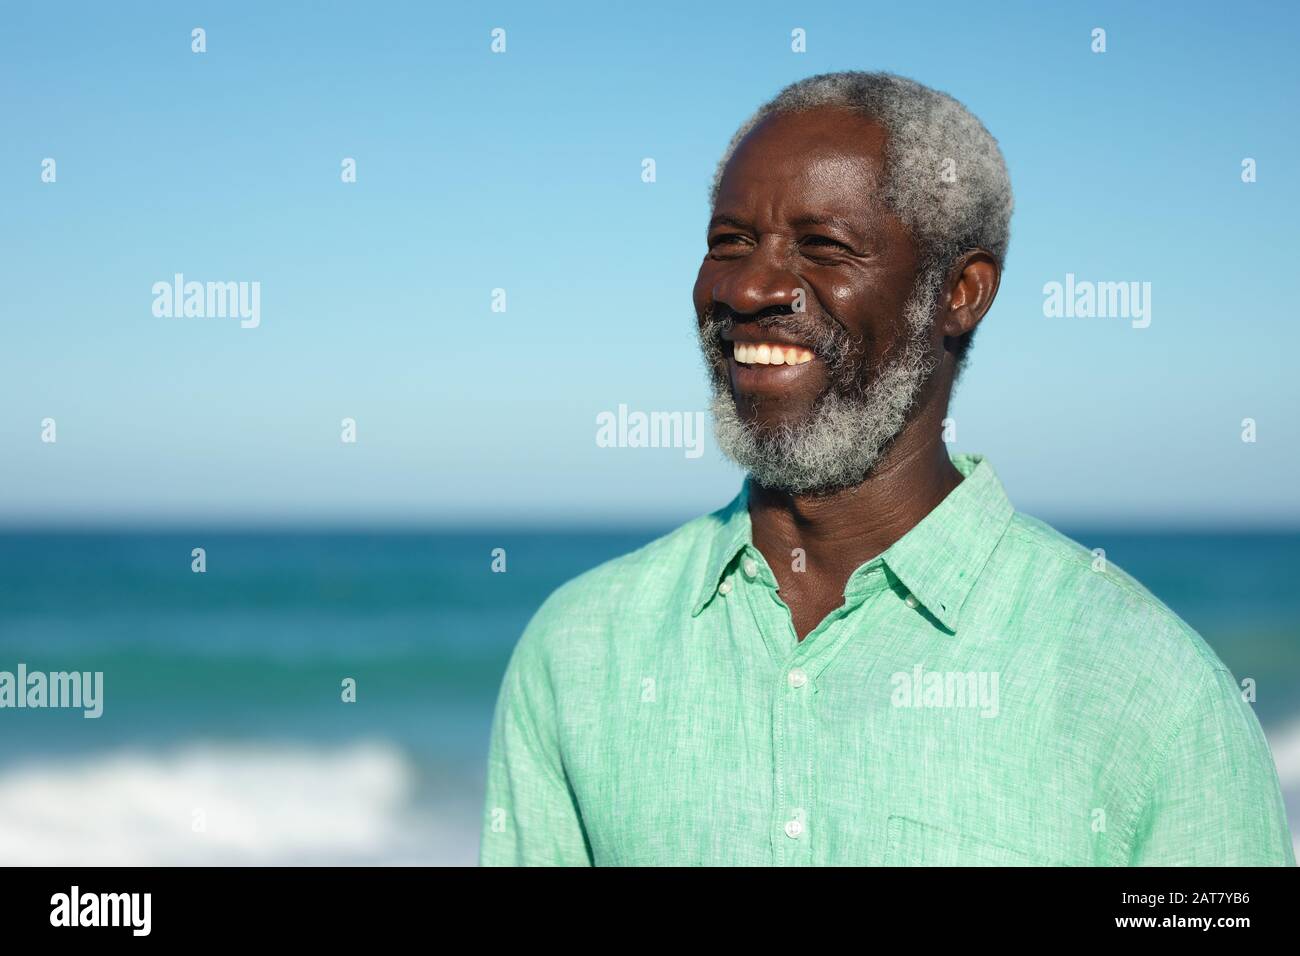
x,y
770,353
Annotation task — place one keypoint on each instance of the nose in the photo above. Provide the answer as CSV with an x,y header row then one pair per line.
x,y
758,281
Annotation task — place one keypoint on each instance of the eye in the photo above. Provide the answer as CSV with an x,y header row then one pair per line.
x,y
825,244
727,242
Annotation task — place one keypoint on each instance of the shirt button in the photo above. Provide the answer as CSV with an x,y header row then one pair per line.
x,y
751,567
798,678
724,587
911,600
793,828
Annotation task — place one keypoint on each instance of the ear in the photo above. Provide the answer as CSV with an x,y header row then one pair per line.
x,y
972,285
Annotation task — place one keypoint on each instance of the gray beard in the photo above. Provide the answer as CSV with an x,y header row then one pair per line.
x,y
850,425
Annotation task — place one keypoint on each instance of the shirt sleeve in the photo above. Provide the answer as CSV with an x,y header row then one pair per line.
x,y
530,817
1215,799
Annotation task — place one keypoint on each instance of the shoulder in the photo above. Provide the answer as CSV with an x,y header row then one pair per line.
x,y
643,586
1124,667
1097,598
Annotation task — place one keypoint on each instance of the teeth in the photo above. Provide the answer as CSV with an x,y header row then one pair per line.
x,y
765,353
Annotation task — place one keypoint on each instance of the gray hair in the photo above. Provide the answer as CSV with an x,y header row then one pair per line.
x,y
928,133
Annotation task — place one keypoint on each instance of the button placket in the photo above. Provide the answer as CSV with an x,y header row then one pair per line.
x,y
797,747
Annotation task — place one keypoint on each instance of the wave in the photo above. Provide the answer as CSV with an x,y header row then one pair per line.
x,y
230,804
1284,742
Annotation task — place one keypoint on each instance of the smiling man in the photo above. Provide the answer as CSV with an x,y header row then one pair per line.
x,y
868,657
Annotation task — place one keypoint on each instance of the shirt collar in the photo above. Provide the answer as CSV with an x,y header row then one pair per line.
x,y
938,560
732,535
941,558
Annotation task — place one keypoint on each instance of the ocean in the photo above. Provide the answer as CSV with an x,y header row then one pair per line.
x,y
224,736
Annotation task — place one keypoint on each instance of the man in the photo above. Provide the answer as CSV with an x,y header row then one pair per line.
x,y
868,657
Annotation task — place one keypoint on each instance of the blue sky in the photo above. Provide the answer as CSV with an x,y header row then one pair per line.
x,y
522,171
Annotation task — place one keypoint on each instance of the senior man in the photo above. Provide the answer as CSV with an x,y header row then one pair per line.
x,y
868,657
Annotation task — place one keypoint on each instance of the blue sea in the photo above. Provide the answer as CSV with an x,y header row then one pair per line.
x,y
224,738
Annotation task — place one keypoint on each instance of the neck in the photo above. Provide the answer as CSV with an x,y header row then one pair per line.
x,y
841,530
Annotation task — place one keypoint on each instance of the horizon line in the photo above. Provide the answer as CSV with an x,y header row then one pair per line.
x,y
591,524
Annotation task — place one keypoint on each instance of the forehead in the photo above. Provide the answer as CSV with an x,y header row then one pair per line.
x,y
827,159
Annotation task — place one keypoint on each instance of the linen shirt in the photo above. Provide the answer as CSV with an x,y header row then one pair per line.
x,y
989,693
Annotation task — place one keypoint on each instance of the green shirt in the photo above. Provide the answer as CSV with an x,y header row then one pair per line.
x,y
989,693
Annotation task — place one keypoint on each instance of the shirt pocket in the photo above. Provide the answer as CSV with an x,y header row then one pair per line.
x,y
913,843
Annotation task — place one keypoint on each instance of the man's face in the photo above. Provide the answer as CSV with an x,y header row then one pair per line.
x,y
798,215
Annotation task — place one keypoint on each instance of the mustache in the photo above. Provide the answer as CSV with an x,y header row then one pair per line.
x,y
826,339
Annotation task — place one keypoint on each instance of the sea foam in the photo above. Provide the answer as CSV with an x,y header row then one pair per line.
x,y
225,804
